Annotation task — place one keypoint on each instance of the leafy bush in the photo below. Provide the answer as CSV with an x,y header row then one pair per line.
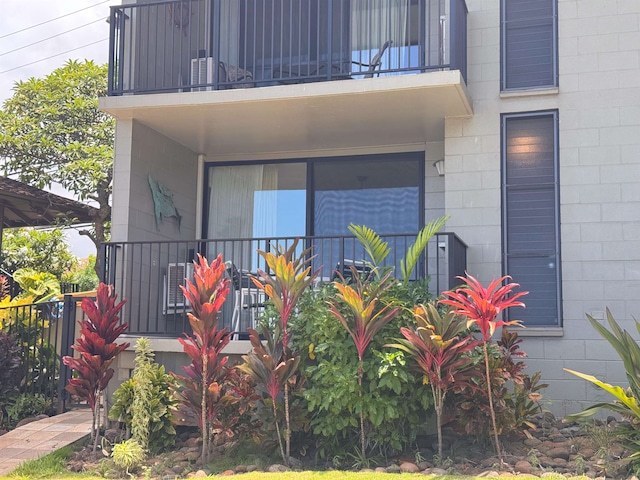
x,y
439,347
626,401
394,400
128,455
9,368
27,405
144,402
516,396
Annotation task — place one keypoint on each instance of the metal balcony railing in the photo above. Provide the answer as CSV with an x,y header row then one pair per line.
x,y
148,274
192,45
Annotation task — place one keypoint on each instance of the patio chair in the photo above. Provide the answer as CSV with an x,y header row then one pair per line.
x,y
246,297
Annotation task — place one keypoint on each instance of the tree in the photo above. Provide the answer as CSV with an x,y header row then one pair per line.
x,y
51,131
40,250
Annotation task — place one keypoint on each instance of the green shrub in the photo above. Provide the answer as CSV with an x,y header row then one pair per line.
x,y
516,395
27,405
626,402
394,398
128,454
144,402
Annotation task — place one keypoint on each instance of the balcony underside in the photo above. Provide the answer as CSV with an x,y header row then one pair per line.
x,y
343,114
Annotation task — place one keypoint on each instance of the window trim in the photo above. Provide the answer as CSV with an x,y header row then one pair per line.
x,y
504,118
503,52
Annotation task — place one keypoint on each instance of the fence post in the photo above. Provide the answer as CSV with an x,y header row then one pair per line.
x,y
68,330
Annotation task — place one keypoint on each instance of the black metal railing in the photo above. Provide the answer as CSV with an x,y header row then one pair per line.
x,y
149,274
189,45
45,333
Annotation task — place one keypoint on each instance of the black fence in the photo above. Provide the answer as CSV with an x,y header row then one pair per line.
x,y
149,274
192,45
45,333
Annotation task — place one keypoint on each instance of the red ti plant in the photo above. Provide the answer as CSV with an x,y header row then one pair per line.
x,y
97,350
288,277
481,306
272,367
438,345
201,391
365,319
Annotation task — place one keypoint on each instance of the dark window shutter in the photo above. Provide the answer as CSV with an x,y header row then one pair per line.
x,y
529,44
530,214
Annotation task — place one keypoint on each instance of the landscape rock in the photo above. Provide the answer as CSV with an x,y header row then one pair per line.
x,y
522,466
393,469
278,468
408,467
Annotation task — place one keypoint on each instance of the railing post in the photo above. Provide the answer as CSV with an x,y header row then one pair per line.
x,y
68,330
458,37
215,35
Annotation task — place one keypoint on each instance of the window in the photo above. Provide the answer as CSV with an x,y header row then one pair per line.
x,y
529,44
530,213
318,197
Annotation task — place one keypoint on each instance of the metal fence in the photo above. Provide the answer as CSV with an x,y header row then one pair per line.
x,y
187,45
149,274
45,333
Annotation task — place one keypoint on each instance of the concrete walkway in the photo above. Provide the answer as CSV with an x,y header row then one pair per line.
x,y
40,438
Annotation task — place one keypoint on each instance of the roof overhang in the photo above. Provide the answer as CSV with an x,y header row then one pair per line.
x,y
244,123
24,206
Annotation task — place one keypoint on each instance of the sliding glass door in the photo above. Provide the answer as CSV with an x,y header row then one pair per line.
x,y
315,197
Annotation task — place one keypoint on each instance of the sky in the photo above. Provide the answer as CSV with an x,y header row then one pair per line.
x,y
81,34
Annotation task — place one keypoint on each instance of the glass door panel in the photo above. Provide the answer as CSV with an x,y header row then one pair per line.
x,y
383,194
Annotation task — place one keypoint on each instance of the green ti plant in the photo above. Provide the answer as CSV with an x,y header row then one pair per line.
x,y
481,306
378,250
144,402
97,350
364,319
201,391
439,346
274,364
626,401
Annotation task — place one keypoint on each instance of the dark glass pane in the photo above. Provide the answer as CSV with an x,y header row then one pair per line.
x,y
530,150
537,275
383,194
530,215
529,44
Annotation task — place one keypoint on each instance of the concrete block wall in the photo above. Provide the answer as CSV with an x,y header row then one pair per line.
x,y
598,101
140,151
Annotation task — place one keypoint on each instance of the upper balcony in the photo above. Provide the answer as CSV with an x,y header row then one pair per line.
x,y
206,61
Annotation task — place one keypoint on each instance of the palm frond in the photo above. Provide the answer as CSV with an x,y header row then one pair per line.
x,y
414,251
376,248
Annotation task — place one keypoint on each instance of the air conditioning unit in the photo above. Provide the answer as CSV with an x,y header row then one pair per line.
x,y
201,73
174,299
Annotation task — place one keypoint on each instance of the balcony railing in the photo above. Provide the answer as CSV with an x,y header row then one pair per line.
x,y
189,45
148,274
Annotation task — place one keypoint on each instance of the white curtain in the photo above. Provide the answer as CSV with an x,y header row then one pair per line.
x,y
373,22
230,32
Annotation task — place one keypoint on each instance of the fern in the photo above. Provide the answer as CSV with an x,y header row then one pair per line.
x,y
377,249
408,263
